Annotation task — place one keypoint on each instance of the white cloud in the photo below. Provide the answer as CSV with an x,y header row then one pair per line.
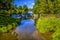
x,y
33,3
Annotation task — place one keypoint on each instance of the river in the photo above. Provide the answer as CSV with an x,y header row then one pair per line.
x,y
26,27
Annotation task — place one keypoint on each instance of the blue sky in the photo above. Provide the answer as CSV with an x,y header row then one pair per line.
x,y
29,3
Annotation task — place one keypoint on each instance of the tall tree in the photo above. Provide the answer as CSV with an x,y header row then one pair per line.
x,y
5,4
25,9
39,6
47,6
57,6
19,9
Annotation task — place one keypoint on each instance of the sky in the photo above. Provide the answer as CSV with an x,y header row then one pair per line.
x,y
29,3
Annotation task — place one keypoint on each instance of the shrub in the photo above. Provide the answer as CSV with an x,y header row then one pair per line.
x,y
3,29
48,24
6,23
56,35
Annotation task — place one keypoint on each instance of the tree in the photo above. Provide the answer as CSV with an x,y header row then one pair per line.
x,y
5,4
57,6
25,9
19,9
47,6
39,6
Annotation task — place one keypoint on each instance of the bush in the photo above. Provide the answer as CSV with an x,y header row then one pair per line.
x,y
51,24
56,35
3,29
48,24
6,23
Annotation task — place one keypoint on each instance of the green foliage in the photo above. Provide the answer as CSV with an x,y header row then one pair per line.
x,y
5,4
57,6
47,6
39,7
48,24
25,9
5,28
7,8
56,35
20,9
7,22
9,27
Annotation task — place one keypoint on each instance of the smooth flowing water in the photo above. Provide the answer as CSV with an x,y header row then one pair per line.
x,y
26,27
26,30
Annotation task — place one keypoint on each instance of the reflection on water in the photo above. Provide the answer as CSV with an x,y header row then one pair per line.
x,y
26,26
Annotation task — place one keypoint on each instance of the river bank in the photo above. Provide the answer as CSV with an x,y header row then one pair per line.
x,y
9,36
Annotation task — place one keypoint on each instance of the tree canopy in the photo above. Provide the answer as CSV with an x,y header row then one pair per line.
x,y
46,7
6,9
25,9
